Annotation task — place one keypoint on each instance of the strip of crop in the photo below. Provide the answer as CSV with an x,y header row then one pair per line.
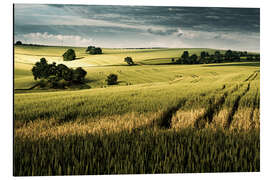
x,y
165,119
235,107
213,109
253,109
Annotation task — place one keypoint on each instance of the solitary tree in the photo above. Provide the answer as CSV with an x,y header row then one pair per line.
x,y
18,43
69,55
129,61
112,79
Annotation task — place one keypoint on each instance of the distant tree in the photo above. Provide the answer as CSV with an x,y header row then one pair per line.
x,y
172,59
257,57
18,43
193,59
185,55
217,57
203,55
69,55
129,61
93,50
112,79
228,55
235,56
250,57
89,48
98,50
185,58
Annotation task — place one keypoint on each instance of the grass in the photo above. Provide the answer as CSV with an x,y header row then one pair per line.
x,y
158,119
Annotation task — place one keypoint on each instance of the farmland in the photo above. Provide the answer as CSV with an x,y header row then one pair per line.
x,y
159,118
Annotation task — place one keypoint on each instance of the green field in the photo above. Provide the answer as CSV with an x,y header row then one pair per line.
x,y
159,118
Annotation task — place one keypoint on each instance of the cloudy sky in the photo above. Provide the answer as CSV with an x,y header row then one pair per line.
x,y
138,26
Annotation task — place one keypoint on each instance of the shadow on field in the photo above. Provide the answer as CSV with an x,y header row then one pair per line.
x,y
79,58
253,64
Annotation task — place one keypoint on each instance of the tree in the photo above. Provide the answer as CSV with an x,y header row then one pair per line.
x,y
112,79
93,50
98,50
18,43
172,59
203,55
41,69
89,48
185,55
217,56
129,61
257,57
69,55
78,75
57,75
184,58
193,59
228,55
235,56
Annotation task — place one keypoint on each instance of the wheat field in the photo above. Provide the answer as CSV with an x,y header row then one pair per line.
x,y
159,118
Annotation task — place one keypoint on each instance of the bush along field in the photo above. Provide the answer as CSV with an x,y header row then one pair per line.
x,y
153,115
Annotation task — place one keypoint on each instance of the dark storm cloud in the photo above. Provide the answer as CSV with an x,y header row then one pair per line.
x,y
218,19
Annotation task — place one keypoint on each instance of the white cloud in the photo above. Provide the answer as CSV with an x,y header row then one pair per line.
x,y
54,39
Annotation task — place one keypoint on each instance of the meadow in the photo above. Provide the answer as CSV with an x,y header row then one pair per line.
x,y
159,118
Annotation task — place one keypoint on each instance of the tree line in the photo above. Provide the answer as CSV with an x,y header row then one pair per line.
x,y
70,55
217,57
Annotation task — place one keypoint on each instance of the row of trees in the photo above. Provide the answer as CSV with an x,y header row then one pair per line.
x,y
217,57
93,50
55,73
70,55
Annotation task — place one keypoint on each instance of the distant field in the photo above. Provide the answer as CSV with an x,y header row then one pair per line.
x,y
160,118
31,54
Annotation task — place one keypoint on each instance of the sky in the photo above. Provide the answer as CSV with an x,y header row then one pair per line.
x,y
138,26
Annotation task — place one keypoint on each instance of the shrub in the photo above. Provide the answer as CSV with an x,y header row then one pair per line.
x,y
112,79
69,55
129,61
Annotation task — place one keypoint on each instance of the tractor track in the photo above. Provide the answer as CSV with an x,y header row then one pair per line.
x,y
213,109
235,108
165,119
